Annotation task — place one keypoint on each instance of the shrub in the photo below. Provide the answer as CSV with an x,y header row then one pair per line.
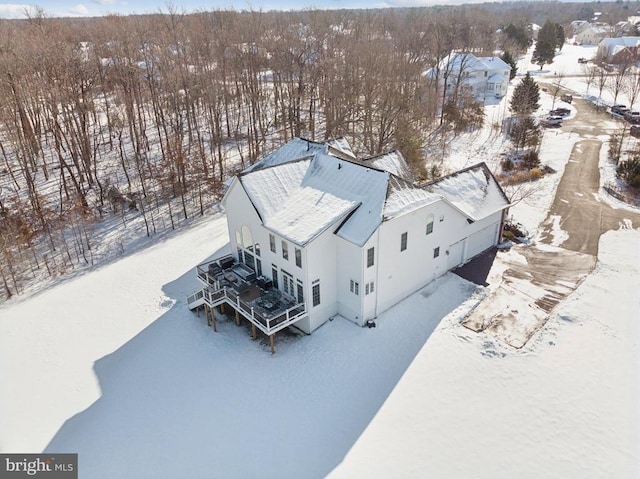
x,y
524,176
531,160
507,165
629,171
508,235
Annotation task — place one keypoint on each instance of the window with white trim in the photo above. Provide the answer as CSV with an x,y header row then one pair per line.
x,y
368,288
403,241
272,243
430,224
370,256
298,254
354,287
315,292
285,250
436,252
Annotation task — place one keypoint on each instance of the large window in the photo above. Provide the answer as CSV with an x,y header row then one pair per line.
x,y
354,287
298,258
272,243
403,241
370,253
300,291
287,283
274,276
315,293
285,250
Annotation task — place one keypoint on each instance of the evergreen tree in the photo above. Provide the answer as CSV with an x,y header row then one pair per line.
x,y
509,60
525,97
560,37
519,34
544,52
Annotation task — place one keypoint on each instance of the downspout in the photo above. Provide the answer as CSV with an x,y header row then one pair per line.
x,y
377,266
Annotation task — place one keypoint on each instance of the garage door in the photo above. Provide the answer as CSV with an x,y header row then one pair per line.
x,y
456,254
482,240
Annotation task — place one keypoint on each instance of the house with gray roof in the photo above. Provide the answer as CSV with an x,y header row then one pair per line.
x,y
316,232
483,76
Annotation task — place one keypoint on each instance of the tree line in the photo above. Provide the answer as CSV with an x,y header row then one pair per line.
x,y
155,112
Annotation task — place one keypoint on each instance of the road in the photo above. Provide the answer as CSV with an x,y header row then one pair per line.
x,y
582,215
529,290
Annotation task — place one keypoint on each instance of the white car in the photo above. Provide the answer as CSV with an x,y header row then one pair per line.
x,y
553,120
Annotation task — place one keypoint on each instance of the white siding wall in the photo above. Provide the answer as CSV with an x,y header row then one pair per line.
x,y
321,261
241,212
401,273
404,272
350,265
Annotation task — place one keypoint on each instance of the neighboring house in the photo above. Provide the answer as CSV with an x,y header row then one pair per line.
x,y
592,33
316,233
608,48
483,76
625,56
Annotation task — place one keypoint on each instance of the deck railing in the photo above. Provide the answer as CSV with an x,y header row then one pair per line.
x,y
217,292
267,323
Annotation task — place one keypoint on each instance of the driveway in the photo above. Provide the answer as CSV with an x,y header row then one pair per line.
x,y
537,278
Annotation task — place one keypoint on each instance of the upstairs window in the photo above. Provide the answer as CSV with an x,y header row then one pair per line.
x,y
315,293
285,250
298,254
403,241
436,252
272,243
354,287
430,224
370,254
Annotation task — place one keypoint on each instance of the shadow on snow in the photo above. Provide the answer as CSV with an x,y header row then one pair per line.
x,y
179,400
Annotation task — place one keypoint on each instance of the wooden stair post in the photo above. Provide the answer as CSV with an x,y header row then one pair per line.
x,y
273,349
237,318
254,335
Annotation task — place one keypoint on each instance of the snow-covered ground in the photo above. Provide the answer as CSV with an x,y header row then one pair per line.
x,y
565,407
112,365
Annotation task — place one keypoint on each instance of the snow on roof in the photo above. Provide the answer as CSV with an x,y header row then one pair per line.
x,y
299,198
393,162
342,146
494,63
473,190
302,198
403,197
467,62
496,78
293,150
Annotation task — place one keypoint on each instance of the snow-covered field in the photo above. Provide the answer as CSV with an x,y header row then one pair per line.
x,y
565,407
111,364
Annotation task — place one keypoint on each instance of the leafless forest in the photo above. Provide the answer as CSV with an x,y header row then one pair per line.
x,y
106,118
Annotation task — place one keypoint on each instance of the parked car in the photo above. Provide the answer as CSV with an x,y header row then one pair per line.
x,y
632,117
619,111
553,120
560,112
635,131
567,98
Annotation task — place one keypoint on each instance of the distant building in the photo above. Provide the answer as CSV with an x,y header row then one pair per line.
x,y
483,76
617,50
592,33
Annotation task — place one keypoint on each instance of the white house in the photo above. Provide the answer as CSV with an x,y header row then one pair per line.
x,y
482,75
592,33
317,233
